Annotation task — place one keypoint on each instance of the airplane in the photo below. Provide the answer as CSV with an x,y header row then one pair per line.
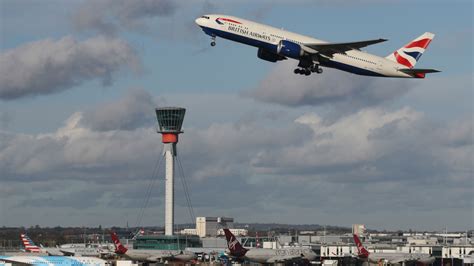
x,y
63,250
391,258
277,44
267,255
149,255
31,247
52,261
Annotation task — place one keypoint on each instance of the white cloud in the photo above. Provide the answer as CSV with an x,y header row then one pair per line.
x,y
134,110
110,16
48,66
343,91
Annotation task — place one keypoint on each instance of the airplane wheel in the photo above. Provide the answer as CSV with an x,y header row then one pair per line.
x,y
296,71
307,72
213,43
319,70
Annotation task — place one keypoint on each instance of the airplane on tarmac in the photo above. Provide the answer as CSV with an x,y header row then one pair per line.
x,y
267,255
31,247
277,44
63,250
391,258
150,255
52,261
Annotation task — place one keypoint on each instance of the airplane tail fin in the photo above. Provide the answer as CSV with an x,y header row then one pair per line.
x,y
361,251
234,245
119,248
29,244
409,54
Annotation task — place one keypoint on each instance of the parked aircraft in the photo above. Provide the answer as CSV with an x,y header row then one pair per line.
x,y
52,261
150,255
65,249
391,258
267,255
277,44
31,247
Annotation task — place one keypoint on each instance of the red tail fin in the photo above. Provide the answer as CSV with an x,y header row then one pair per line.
x,y
119,248
28,244
362,252
234,245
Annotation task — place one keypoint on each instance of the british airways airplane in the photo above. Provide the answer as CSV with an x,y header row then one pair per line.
x,y
276,44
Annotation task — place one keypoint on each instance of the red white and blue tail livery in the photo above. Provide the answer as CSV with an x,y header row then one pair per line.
x,y
312,54
29,244
409,54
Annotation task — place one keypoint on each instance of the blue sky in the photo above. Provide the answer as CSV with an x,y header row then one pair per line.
x,y
134,56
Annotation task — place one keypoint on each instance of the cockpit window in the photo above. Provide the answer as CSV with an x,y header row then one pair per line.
x,y
206,17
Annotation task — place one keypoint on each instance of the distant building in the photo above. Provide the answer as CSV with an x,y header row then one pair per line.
x,y
237,232
188,231
208,226
419,240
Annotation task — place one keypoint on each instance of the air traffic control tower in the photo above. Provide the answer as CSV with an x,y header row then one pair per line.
x,y
170,120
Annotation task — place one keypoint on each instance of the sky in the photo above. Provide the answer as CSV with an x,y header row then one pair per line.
x,y
79,81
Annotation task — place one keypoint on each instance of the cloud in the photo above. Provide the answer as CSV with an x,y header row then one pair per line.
x,y
307,170
343,91
111,16
134,110
48,66
6,118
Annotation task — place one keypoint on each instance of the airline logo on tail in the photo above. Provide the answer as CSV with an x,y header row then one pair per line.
x,y
119,248
409,54
29,245
234,245
362,252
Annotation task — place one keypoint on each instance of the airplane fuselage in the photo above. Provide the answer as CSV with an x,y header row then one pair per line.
x,y
399,257
159,255
268,39
265,255
53,260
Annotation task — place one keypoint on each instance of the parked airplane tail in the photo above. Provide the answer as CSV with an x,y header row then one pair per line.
x,y
361,251
119,248
409,54
29,244
234,245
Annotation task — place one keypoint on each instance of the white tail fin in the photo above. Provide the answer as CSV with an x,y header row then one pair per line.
x,y
409,54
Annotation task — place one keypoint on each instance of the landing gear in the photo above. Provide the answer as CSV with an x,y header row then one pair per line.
x,y
302,71
213,41
314,68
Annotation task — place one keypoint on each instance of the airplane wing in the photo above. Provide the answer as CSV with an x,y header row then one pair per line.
x,y
399,260
54,252
332,48
67,252
15,262
159,257
155,258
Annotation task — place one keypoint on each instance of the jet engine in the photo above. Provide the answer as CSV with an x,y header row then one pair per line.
x,y
290,49
269,56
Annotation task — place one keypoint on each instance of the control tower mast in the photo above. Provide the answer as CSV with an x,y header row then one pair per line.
x,y
170,120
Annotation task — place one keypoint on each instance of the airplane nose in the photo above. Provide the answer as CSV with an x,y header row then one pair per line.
x,y
198,21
